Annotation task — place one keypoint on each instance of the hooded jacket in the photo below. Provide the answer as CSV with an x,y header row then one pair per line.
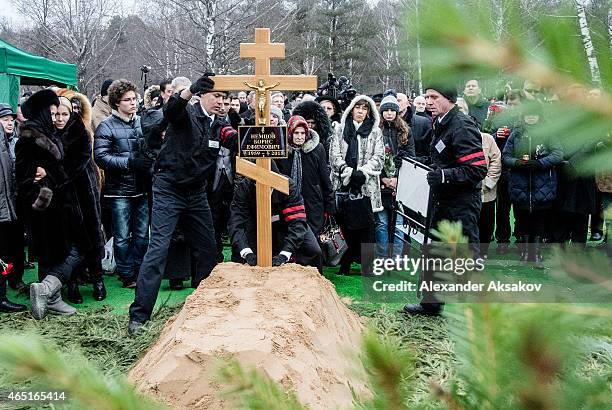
x,y
312,110
316,186
370,158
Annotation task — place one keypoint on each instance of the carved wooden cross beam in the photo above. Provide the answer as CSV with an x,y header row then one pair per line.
x,y
262,51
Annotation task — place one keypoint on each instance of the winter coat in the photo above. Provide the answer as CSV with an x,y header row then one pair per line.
x,y
370,158
58,226
288,230
478,110
312,110
192,143
456,147
316,186
117,140
79,166
494,167
8,210
576,193
531,189
420,129
101,110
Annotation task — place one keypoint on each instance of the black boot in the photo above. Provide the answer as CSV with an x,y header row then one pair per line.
x,y
524,248
73,294
424,309
537,253
99,290
176,284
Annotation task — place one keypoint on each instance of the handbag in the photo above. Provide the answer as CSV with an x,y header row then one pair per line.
x,y
332,242
108,262
354,210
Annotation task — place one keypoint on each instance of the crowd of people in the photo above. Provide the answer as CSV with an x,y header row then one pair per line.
x,y
157,175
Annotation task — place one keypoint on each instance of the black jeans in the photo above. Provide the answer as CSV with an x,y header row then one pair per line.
x,y
63,270
172,203
11,248
531,223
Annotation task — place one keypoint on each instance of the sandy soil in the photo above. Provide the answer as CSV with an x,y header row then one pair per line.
x,y
287,322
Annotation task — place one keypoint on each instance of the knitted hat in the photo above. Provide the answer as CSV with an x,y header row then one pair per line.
x,y
274,110
104,88
449,93
6,109
389,103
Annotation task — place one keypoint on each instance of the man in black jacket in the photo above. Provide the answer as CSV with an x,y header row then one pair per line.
x,y
184,167
459,166
117,144
420,127
291,235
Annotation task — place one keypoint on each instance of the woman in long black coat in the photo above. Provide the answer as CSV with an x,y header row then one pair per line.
x,y
48,204
307,165
78,163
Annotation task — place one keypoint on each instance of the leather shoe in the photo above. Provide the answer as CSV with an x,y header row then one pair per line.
x,y
6,306
18,286
596,237
99,290
423,309
133,327
73,294
176,284
128,283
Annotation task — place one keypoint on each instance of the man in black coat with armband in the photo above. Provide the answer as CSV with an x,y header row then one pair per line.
x,y
459,166
291,235
184,165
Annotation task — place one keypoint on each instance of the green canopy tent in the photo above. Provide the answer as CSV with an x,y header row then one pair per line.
x,y
20,68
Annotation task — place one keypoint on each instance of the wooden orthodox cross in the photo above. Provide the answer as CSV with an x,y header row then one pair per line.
x,y
262,82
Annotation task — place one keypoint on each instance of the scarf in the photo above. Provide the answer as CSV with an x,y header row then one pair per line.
x,y
296,169
42,122
350,137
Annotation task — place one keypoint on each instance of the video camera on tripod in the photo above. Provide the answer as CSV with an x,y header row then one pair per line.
x,y
340,89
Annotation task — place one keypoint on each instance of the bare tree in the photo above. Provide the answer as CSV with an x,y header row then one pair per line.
x,y
73,31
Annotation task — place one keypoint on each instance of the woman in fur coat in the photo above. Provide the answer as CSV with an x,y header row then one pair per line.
x,y
356,158
48,203
317,120
307,165
78,163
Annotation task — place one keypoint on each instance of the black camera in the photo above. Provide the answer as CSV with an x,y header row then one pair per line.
x,y
145,68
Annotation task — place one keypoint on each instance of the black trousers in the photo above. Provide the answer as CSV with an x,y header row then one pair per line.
x,y
503,230
531,223
465,209
569,226
64,269
172,203
220,202
309,252
486,221
11,248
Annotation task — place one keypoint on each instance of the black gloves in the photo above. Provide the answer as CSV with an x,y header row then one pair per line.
x,y
435,177
140,164
201,85
279,260
398,162
251,259
358,178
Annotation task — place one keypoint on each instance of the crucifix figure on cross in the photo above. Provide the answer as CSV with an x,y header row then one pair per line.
x,y
262,51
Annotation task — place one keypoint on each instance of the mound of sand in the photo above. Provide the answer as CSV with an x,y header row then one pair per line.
x,y
288,322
